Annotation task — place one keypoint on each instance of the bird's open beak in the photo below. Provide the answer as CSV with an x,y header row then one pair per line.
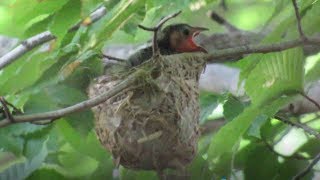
x,y
195,32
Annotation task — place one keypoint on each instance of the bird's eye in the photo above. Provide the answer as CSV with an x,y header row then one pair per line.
x,y
186,32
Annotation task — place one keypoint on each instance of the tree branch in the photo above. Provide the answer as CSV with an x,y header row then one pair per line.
x,y
155,48
307,169
6,110
252,49
310,99
72,109
113,58
220,20
39,39
212,126
298,17
306,128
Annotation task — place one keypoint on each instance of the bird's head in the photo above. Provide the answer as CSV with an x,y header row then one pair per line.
x,y
181,38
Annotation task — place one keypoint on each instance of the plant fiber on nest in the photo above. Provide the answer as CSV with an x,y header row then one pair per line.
x,y
153,124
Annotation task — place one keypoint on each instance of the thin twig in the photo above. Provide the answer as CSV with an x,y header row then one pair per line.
x,y
270,148
15,109
94,16
301,126
113,58
298,17
72,109
155,48
223,4
310,99
6,110
34,41
220,20
308,168
251,49
212,126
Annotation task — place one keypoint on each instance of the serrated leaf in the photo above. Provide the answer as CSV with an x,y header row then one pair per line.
x,y
11,137
312,68
11,144
88,145
67,16
24,13
77,164
276,74
109,24
23,170
27,73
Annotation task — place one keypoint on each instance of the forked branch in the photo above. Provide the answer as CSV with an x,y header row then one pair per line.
x,y
155,30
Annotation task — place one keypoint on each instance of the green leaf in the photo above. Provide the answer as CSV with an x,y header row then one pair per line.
x,y
11,144
77,164
67,16
221,149
46,173
11,137
256,125
109,24
88,6
23,13
24,169
208,102
26,74
232,108
276,74
312,68
38,27
262,164
88,145
127,174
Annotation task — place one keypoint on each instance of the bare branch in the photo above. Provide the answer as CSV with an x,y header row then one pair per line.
x,y
306,128
252,49
223,4
271,149
308,168
72,109
6,110
94,16
310,99
39,39
212,126
155,48
298,17
113,58
220,20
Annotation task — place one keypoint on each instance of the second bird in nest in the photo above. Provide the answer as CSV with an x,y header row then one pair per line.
x,y
173,39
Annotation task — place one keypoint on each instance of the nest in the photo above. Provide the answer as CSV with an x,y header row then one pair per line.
x,y
152,125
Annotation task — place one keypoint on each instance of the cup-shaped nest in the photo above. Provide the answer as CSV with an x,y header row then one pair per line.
x,y
153,124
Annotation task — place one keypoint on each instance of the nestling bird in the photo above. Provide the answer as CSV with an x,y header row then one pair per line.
x,y
173,39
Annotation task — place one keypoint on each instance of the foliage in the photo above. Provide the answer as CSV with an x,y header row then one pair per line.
x,y
56,75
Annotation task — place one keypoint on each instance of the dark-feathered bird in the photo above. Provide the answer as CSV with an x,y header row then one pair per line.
x,y
173,39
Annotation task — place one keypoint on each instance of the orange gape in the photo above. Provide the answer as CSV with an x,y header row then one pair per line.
x,y
175,38
190,46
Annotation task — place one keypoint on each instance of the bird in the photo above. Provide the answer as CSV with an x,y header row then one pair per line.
x,y
173,39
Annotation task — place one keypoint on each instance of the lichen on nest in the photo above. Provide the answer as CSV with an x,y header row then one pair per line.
x,y
152,125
